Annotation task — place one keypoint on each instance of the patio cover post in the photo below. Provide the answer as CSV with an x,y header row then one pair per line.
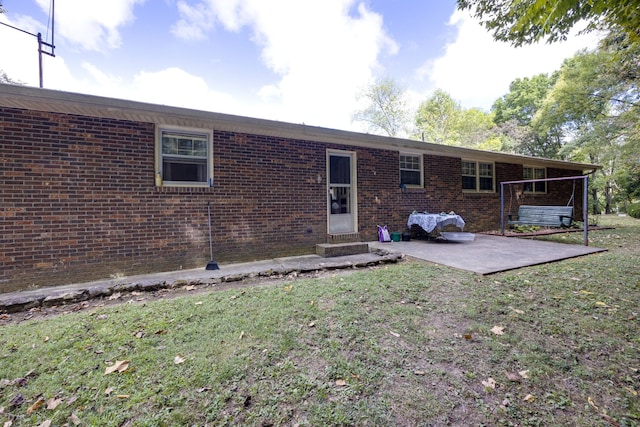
x,y
585,209
502,207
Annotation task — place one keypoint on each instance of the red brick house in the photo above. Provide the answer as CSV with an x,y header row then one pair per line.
x,y
92,187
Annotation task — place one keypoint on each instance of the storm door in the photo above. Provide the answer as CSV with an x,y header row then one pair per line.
x,y
342,192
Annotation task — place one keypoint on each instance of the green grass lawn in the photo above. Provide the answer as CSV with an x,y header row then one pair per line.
x,y
407,344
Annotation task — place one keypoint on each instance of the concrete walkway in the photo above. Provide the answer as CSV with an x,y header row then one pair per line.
x,y
487,254
68,294
484,255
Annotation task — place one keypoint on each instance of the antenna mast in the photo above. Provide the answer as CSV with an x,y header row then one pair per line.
x,y
40,42
50,45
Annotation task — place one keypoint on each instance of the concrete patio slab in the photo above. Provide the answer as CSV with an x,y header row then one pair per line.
x,y
487,254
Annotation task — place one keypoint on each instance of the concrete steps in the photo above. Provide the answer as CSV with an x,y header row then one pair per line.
x,y
328,250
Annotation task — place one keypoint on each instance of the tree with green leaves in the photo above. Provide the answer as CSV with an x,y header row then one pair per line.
x,y
514,114
476,129
529,21
598,113
436,118
442,120
593,111
386,111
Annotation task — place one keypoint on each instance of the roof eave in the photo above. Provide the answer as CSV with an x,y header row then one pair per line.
x,y
25,97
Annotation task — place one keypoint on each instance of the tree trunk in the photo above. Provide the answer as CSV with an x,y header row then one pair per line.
x,y
595,206
608,197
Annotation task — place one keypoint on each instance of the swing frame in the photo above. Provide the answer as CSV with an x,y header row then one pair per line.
x,y
585,201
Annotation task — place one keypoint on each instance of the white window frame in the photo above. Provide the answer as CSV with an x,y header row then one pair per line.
x,y
530,187
420,169
477,176
196,132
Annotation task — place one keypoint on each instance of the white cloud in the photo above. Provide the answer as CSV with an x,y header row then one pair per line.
x,y
477,70
176,87
19,57
92,25
89,25
322,51
194,22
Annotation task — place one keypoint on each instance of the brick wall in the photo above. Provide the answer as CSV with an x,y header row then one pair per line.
x,y
442,192
79,202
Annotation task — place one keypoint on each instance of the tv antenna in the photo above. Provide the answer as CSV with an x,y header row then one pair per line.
x,y
43,46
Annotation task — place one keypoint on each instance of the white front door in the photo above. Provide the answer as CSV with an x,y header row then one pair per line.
x,y
342,192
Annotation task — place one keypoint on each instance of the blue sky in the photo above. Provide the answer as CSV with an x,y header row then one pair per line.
x,y
299,61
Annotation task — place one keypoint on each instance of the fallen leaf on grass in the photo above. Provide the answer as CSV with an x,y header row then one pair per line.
x,y
114,296
7,423
311,324
198,303
38,403
489,383
189,288
341,383
123,396
139,334
529,398
417,372
74,419
162,332
591,402
17,400
632,391
237,296
108,391
610,420
178,359
601,304
395,334
513,376
119,366
20,382
53,403
524,374
47,423
498,330
203,389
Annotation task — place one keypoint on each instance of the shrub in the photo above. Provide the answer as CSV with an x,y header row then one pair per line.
x,y
634,210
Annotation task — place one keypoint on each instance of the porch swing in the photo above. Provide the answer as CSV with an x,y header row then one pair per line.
x,y
546,216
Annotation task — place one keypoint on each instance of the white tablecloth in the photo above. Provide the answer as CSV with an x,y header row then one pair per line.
x,y
430,221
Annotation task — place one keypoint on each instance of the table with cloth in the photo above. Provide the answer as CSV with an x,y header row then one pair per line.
x,y
428,222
